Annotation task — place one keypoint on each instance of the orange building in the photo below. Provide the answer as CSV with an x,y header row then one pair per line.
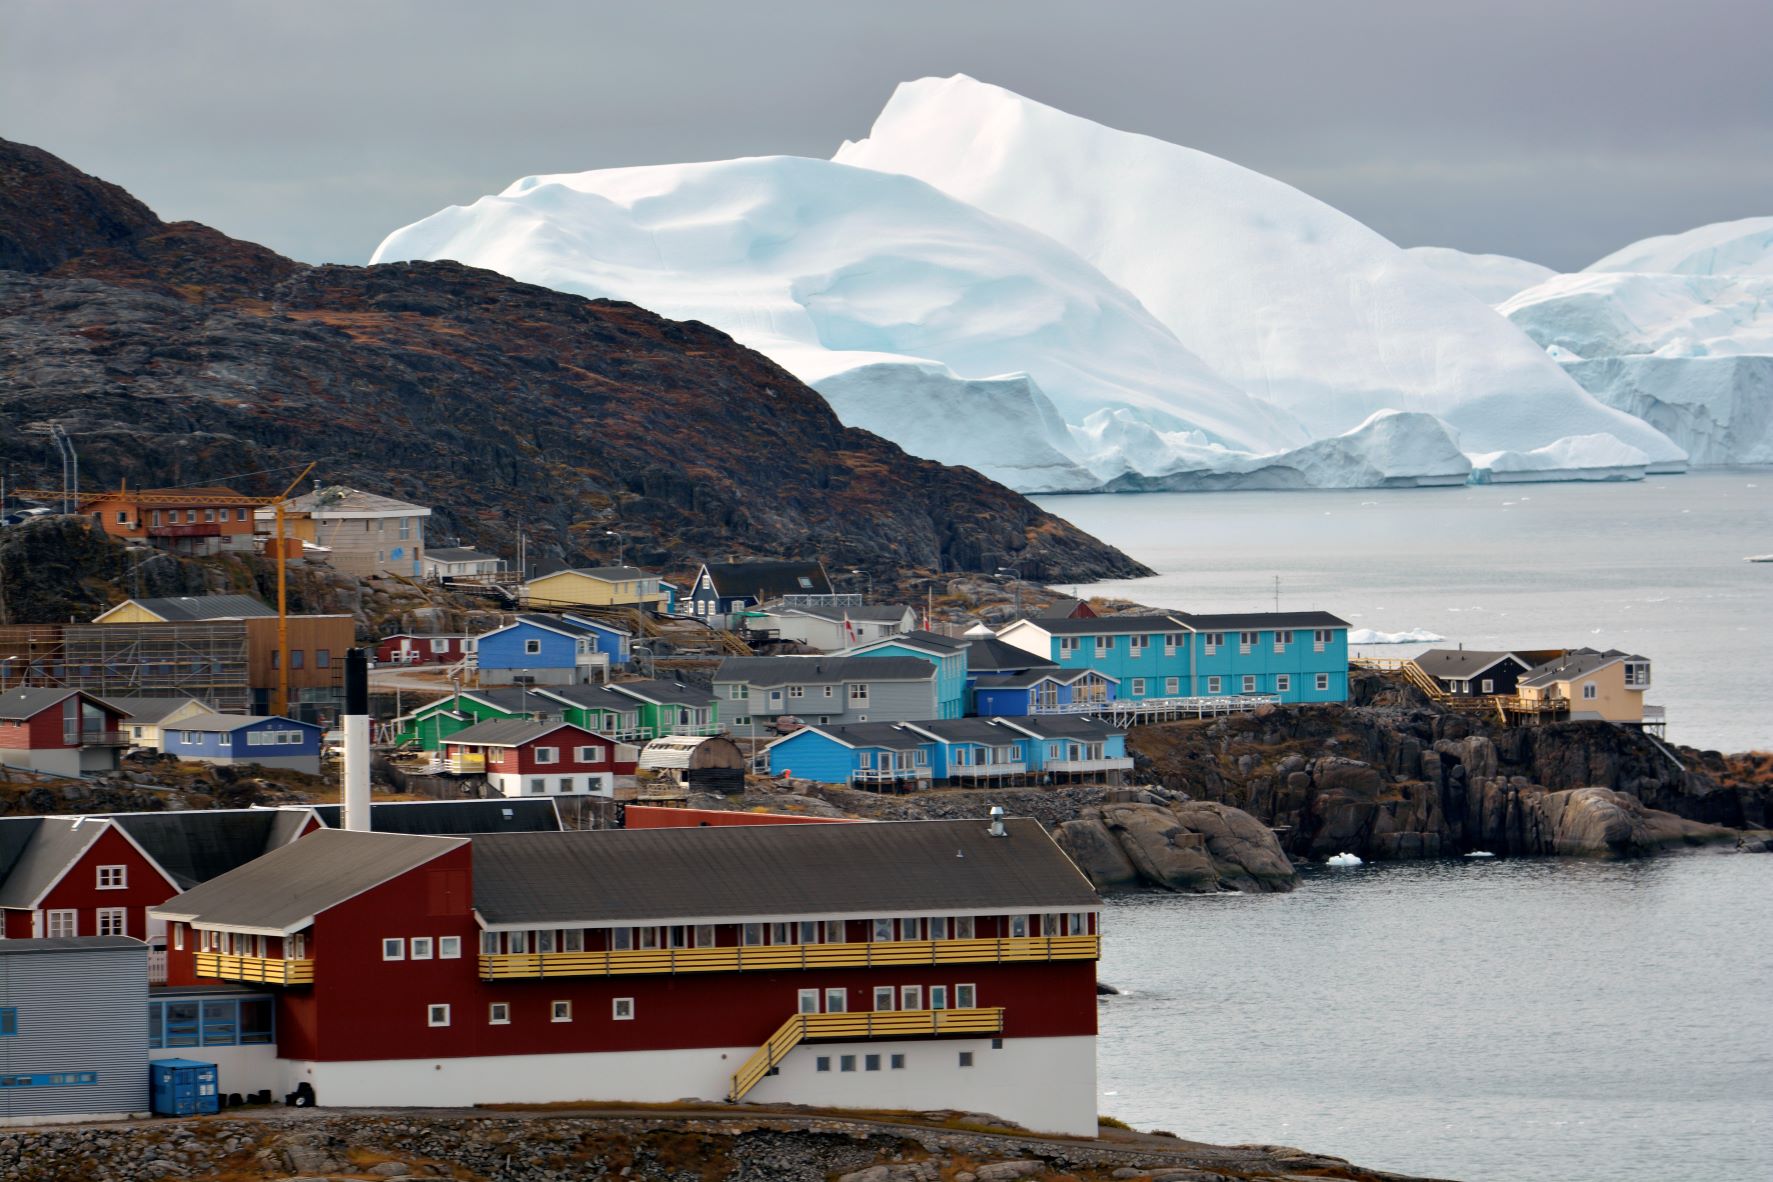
x,y
193,521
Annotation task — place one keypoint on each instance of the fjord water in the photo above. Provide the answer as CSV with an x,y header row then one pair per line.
x,y
1654,567
1479,1019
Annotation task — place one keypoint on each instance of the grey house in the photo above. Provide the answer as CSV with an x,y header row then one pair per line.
x,y
755,691
73,1029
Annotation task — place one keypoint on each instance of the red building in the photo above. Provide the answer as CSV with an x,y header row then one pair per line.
x,y
77,876
194,521
652,816
404,648
63,732
923,964
519,757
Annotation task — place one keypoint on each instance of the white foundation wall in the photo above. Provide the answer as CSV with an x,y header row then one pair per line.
x,y
1045,1084
239,1069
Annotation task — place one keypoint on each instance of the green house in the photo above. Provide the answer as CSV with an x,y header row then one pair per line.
x,y
597,708
432,723
671,708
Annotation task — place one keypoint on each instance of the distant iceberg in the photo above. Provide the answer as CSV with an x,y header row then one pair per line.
x,y
1412,636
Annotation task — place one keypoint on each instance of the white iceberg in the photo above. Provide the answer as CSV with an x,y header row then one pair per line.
x,y
1281,295
1742,247
1577,457
1490,278
1409,636
1343,859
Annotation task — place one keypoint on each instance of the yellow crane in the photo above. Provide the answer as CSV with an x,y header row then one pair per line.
x,y
82,501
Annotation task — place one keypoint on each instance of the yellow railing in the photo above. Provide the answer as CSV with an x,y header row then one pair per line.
x,y
866,1024
260,969
462,765
777,957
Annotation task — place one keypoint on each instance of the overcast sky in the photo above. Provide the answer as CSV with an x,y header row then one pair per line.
x,y
1556,130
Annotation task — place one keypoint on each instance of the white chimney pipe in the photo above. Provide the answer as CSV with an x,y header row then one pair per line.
x,y
356,727
997,829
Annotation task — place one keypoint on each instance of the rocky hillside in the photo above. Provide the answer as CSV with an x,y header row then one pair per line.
x,y
1394,777
176,355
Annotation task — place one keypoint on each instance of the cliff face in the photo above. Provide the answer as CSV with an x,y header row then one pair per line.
x,y
1404,780
175,355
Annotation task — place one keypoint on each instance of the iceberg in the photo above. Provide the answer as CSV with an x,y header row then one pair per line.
x,y
1743,247
1411,636
1579,457
1490,278
1284,297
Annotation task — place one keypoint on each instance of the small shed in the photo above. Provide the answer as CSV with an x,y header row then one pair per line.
x,y
708,763
184,1087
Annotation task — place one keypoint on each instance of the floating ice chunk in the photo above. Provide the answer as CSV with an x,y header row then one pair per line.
x,y
1344,859
1574,457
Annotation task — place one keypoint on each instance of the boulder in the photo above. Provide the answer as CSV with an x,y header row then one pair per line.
x,y
1165,853
1244,851
1097,853
1599,822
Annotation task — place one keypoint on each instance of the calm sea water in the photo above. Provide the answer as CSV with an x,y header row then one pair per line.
x,y
1488,1020
1654,567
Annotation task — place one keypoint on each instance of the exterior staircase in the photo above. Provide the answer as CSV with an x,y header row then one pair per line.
x,y
868,1024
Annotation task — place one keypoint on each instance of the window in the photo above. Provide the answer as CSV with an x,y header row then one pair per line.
x,y
1591,691
437,1015
547,754
113,921
1018,926
621,1009
1138,689
966,997
1283,682
499,1013
1172,686
590,755
1323,681
1067,646
963,928
809,931
1136,645
1214,684
178,936
393,949
751,933
911,997
834,931
809,1001
63,923
858,695
1213,641
911,929
421,947
1077,924
882,930
1282,639
846,1062
538,786
870,1062
1637,674
938,997
1319,638
797,691
621,939
190,516
822,1063
113,878
898,1062
295,658
939,928
489,943
1247,641
1249,683
240,514
1487,685
532,647
8,1021
883,997
322,658
966,1058
1104,645
836,1001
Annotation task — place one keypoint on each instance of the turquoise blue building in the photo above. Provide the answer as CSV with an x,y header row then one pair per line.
x,y
1292,656
958,751
948,654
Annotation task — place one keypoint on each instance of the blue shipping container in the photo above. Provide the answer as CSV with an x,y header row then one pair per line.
x,y
183,1087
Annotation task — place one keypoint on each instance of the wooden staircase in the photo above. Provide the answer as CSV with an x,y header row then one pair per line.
x,y
869,1024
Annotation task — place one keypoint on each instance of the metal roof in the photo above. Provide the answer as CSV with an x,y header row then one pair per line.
x,y
719,873
891,735
49,848
186,608
590,697
149,711
20,705
988,653
224,723
666,693
1064,726
458,554
196,845
1257,621
1104,625
65,944
966,730
453,818
1459,663
282,891
603,574
508,732
879,613
772,671
767,579
336,501
1575,663
571,625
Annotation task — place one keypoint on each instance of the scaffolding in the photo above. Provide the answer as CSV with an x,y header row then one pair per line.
x,y
206,660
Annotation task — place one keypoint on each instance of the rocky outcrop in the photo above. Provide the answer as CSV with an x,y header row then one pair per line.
x,y
178,355
1197,847
1397,778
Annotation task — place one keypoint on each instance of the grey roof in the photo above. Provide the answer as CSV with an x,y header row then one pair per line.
x,y
185,608
967,730
574,625
875,613
607,574
506,732
988,652
890,735
514,699
1459,663
48,848
1105,625
337,498
283,890
458,554
453,818
1575,663
669,693
17,705
935,640
233,722
196,845
1028,677
713,873
772,671
1065,726
767,580
149,711
66,944
1059,609
590,697
1257,621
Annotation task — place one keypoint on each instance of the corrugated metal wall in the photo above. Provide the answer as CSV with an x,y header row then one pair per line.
x,y
79,1011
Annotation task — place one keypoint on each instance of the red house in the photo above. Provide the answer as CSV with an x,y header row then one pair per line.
x,y
63,732
77,876
404,648
519,757
915,964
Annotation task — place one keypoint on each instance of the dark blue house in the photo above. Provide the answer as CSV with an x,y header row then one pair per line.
x,y
549,650
244,738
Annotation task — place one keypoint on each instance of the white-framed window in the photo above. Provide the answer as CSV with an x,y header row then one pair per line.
x,y
911,929
836,1000
113,921
421,947
1319,638
449,948
1323,681
393,948
1249,683
1104,645
538,786
1018,927
1077,923
1172,686
808,1001
883,997
621,1009
1282,638
590,755
858,695
963,927
489,943
1067,646
560,1011
834,933
797,691
1637,674
621,939
751,934
1283,682
1138,690
1591,691
865,760
498,1013
1049,924
532,647
1247,641
113,878
1215,685
437,1015
1136,645
911,997
881,930
938,997
547,755
1172,642
1487,685
516,941
705,935
966,997
178,936
938,927
1213,641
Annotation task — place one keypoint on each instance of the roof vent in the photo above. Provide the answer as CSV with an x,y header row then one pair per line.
x,y
997,829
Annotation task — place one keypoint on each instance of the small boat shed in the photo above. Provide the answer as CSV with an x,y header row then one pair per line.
x,y
703,763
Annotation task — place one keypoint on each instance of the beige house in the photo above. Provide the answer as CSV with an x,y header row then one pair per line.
x,y
148,715
1592,685
362,533
601,586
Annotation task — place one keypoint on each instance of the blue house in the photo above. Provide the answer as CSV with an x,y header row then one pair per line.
x,y
270,741
1292,656
549,650
975,750
1039,691
866,754
948,654
1067,747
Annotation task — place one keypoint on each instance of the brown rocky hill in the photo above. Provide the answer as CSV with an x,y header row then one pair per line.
x,y
176,355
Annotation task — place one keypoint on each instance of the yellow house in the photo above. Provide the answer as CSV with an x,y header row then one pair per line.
x,y
602,586
1607,686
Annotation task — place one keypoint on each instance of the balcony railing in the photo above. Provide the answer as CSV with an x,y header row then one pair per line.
x,y
262,970
694,728
888,775
1102,763
189,529
864,1024
780,957
156,966
986,771
464,765
96,738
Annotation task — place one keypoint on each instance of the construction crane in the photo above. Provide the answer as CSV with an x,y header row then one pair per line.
x,y
81,501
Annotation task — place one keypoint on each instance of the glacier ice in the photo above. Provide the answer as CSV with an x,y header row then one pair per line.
x,y
1743,247
1491,278
1283,296
1408,636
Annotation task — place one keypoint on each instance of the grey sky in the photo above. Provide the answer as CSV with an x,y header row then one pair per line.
x,y
1555,130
